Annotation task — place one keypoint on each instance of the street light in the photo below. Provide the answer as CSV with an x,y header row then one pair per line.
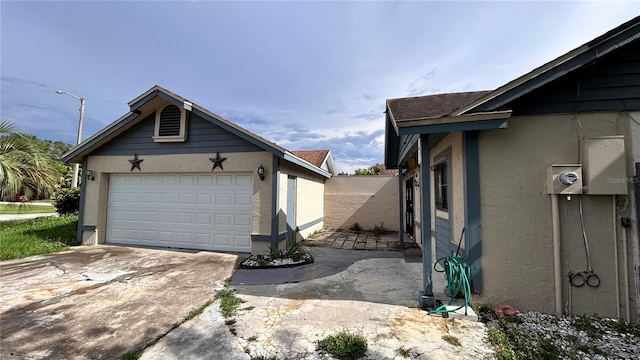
x,y
76,166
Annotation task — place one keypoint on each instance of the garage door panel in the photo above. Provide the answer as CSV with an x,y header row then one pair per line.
x,y
243,200
243,180
222,220
202,238
223,199
204,199
185,180
243,220
211,212
223,180
243,240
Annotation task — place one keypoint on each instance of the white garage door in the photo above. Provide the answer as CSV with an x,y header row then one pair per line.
x,y
191,211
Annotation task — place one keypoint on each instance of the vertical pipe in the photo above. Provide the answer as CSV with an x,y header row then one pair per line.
x,y
625,275
429,299
615,254
555,223
401,209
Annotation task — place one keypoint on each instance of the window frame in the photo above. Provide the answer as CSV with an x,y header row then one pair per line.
x,y
441,181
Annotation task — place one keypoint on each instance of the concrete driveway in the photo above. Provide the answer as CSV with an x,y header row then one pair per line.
x,y
99,302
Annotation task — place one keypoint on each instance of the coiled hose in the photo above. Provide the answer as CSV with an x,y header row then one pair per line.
x,y
458,273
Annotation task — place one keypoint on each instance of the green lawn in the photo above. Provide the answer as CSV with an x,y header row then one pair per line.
x,y
22,238
25,208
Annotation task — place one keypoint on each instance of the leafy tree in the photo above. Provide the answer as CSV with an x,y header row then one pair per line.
x,y
25,166
371,170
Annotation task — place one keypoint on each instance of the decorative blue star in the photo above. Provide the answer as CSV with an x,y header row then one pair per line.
x,y
217,161
135,162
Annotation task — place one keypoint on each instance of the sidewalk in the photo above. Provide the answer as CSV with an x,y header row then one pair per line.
x,y
5,217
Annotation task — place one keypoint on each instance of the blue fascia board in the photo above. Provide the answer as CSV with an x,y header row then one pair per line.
x,y
457,126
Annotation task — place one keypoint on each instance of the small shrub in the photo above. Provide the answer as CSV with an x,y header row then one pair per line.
x,y
404,352
229,302
230,322
379,230
68,202
343,346
451,340
356,228
485,313
131,355
252,338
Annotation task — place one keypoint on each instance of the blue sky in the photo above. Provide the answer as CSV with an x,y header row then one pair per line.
x,y
306,75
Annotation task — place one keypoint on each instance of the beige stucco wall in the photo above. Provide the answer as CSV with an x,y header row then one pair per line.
x,y
309,198
366,200
517,252
96,192
310,204
452,146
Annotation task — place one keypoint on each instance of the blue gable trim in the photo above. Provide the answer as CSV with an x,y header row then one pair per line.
x,y
458,126
310,223
83,187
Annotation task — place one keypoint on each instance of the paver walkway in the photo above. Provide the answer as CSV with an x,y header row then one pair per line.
x,y
364,240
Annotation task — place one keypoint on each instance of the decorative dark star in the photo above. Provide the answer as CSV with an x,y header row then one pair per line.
x,y
135,162
217,161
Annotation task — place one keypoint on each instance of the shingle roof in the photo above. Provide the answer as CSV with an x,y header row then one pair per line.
x,y
430,106
315,157
388,172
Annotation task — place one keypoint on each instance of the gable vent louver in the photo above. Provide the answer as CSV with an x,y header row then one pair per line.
x,y
169,121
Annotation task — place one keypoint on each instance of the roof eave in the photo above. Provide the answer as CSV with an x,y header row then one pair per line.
x,y
489,115
305,164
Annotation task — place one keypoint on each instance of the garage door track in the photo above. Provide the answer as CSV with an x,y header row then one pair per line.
x,y
99,302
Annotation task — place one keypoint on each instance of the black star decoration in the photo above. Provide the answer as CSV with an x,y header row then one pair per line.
x,y
135,162
217,161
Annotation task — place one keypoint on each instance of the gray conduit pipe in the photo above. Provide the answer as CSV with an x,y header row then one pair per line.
x,y
557,272
625,275
615,255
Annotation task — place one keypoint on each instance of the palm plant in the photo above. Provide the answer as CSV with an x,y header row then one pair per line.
x,y
25,168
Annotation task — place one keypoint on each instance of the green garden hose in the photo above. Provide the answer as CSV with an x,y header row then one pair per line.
x,y
458,273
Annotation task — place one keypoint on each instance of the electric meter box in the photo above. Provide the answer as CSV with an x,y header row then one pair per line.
x,y
564,179
604,167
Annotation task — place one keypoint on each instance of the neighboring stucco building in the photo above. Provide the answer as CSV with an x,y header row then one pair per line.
x,y
171,173
542,173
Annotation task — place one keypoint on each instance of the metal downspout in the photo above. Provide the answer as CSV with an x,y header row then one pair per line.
x,y
557,272
615,253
